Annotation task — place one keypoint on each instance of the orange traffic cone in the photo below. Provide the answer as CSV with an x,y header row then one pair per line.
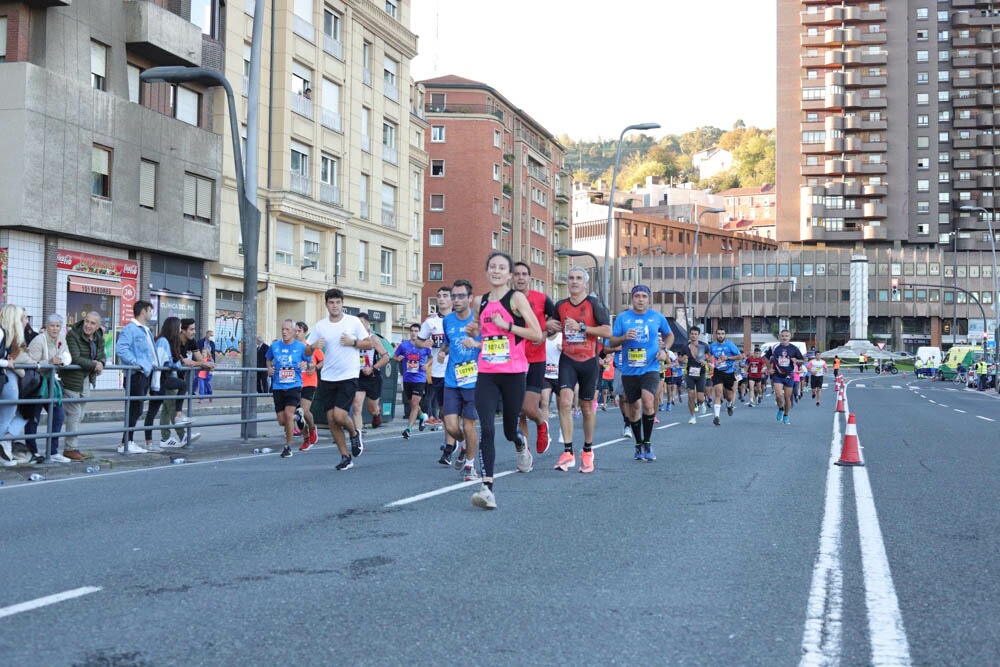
x,y
849,453
840,401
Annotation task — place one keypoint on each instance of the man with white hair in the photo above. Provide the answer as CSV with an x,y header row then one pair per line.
x,y
85,340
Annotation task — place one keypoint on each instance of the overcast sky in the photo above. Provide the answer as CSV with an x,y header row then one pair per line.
x,y
590,68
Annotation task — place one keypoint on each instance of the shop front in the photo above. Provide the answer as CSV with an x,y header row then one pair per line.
x,y
175,289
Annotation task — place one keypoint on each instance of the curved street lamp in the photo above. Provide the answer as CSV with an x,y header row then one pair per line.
x,y
570,252
987,216
694,256
611,206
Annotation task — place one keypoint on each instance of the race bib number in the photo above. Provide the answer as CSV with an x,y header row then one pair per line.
x,y
496,349
286,374
466,373
363,359
413,365
551,369
574,336
783,362
637,357
694,371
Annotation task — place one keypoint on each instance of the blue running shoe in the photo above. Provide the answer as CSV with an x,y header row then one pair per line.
x,y
669,406
787,421
781,413
647,452
638,453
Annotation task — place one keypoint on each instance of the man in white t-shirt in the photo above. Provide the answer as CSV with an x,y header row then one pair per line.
x,y
431,335
816,368
340,336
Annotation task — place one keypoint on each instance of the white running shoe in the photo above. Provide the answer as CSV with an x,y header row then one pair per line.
x,y
185,441
626,432
484,499
170,443
693,420
59,458
132,448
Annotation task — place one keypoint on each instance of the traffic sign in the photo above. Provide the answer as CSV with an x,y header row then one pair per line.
x,y
880,345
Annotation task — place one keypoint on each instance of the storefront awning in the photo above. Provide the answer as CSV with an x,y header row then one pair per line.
x,y
95,286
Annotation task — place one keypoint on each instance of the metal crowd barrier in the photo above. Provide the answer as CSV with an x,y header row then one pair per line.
x,y
191,376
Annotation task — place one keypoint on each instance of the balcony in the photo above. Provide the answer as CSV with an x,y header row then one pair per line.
x,y
329,194
875,210
538,173
875,190
304,29
333,46
561,279
160,35
331,120
562,223
875,232
300,183
302,105
389,217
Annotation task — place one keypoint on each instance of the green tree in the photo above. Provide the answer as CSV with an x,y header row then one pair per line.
x,y
700,139
755,160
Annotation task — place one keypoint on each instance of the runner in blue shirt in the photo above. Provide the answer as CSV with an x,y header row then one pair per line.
x,y
783,357
286,359
413,360
725,359
462,354
639,331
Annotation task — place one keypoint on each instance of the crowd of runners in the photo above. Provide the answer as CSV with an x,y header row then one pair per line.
x,y
507,350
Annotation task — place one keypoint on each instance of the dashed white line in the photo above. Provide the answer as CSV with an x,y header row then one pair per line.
x,y
47,600
986,418
962,411
933,401
896,386
860,386
941,404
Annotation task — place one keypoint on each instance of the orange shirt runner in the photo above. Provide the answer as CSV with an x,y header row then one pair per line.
x,y
309,377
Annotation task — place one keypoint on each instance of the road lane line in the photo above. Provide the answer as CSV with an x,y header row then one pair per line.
x,y
462,485
986,418
822,636
896,386
47,600
962,411
885,622
860,386
933,401
942,405
660,428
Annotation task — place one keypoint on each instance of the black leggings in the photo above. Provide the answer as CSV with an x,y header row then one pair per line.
x,y
490,387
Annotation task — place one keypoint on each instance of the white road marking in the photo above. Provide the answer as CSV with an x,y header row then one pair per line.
x,y
822,636
659,428
462,485
922,396
47,600
941,404
962,411
933,401
885,622
896,386
986,418
950,389
860,386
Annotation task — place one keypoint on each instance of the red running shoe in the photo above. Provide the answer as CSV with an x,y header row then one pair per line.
x,y
314,437
542,444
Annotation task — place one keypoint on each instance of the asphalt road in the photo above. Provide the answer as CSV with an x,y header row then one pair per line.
x,y
712,555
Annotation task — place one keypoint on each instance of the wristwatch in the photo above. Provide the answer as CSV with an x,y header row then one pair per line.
x,y
583,329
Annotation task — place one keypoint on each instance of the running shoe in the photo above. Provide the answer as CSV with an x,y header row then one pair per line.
x,y
781,413
729,410
484,499
704,408
445,459
786,420
716,421
587,461
314,436
406,433
647,452
286,453
300,419
627,431
470,473
656,420
376,421
306,445
421,422
693,420
566,461
542,442
345,463
669,406
525,462
750,404
638,453
460,460
357,444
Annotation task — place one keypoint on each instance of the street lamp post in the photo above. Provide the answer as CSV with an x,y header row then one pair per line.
x,y
611,206
996,279
249,229
694,258
569,252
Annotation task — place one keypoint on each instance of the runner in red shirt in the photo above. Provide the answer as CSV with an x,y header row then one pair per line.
x,y
756,366
544,309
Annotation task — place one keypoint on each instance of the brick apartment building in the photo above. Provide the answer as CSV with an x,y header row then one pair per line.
x,y
495,180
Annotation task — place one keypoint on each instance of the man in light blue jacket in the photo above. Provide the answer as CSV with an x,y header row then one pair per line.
x,y
136,347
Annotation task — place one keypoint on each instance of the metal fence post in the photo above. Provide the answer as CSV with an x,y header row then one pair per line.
x,y
128,409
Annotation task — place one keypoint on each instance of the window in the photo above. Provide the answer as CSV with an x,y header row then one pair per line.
x,y
388,205
922,35
147,184
922,13
388,262
299,168
435,272
246,69
497,138
496,172
437,202
186,104
416,226
284,243
198,197
437,237
923,120
362,260
389,153
438,101
944,95
329,178
134,83
390,71
310,248
332,43
921,56
203,15
437,168
302,90
923,185
302,19
331,105
366,63
392,8
437,133
366,119
339,243
496,206
923,77
923,207
98,64
3,38
363,201
943,76
496,241
923,163
417,180
100,169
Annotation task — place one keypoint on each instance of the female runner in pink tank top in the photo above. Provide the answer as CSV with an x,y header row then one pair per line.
x,y
505,321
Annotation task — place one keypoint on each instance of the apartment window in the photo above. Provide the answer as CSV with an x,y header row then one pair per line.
x,y
100,170
923,120
437,237
390,72
387,266
299,168
416,226
922,13
943,76
133,72
943,17
302,90
332,43
186,104
438,101
921,56
923,207
329,178
366,63
923,163
437,202
246,69
942,137
147,184
497,138
417,180
944,116
923,99
198,192
922,35
923,77
339,244
366,119
435,272
496,241
204,14
944,95
437,133
310,248
98,64
363,201
331,105
389,153
302,19
362,260
944,197
3,39
284,243
496,206
437,168
496,172
943,36
814,137
392,8
388,205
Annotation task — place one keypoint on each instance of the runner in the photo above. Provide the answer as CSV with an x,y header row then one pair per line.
x,y
607,379
414,361
725,356
339,336
553,350
370,380
695,372
836,367
816,368
783,363
430,337
640,331
310,378
583,321
461,372
286,359
505,320
544,309
755,375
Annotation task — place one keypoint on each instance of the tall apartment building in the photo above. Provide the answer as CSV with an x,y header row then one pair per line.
x,y
340,164
109,187
887,121
496,182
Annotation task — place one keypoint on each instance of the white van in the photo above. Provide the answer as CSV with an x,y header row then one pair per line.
x,y
930,357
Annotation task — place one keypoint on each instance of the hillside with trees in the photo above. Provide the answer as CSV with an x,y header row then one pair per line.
x,y
753,152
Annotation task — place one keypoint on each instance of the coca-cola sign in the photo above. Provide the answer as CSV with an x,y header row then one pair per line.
x,y
82,262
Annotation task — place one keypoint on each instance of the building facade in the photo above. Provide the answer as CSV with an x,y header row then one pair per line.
x,y
750,210
496,181
340,165
887,114
109,187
